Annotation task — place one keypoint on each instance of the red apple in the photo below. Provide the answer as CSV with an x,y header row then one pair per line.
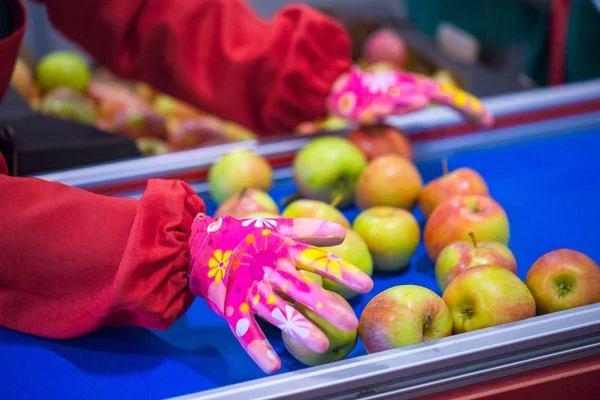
x,y
386,45
563,279
137,124
389,180
402,316
378,140
459,256
247,202
485,296
454,219
463,181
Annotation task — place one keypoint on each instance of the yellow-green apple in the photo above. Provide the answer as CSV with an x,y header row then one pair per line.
x,y
247,202
391,234
263,214
354,250
454,219
389,180
563,279
461,182
485,296
458,256
377,140
238,170
305,208
403,316
170,107
329,168
151,146
63,69
333,123
68,104
341,343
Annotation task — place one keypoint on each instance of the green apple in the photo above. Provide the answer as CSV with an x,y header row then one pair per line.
x,y
563,279
340,343
304,208
403,316
329,168
354,250
485,296
63,69
458,256
263,214
247,202
150,146
238,170
391,234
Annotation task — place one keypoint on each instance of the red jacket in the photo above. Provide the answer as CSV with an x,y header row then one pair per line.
x,y
72,261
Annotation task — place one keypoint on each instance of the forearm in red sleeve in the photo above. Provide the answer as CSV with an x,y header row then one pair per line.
x,y
72,261
218,54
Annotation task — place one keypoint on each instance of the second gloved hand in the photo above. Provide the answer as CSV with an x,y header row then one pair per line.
x,y
241,265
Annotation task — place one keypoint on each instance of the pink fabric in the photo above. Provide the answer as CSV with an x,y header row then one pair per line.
x,y
369,97
238,265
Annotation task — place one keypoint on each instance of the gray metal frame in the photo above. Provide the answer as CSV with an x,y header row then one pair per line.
x,y
427,368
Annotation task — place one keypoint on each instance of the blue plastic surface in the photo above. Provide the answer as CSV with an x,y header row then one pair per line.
x,y
549,188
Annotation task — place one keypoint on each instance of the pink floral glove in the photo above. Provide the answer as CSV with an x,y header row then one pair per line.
x,y
369,97
241,265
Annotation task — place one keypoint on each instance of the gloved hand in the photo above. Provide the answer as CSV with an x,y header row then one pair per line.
x,y
240,265
369,97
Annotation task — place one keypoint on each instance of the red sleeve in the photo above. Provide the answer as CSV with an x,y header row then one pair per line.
x,y
73,261
217,54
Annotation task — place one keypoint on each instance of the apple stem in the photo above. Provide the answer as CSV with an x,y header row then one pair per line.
x,y
445,165
473,239
337,200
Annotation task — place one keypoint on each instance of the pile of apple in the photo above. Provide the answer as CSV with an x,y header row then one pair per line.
x,y
65,87
466,235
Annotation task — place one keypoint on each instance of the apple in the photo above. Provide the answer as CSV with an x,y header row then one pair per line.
x,y
329,168
305,208
137,124
197,132
403,316
240,169
63,69
168,106
391,234
145,91
22,81
458,256
563,279
389,180
378,140
387,46
150,146
246,202
67,104
113,99
485,296
456,218
333,123
354,250
237,133
264,215
463,181
340,343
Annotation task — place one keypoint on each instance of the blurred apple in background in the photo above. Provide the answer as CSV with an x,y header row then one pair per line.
x,y
455,219
23,83
196,132
328,168
463,181
247,202
485,296
63,69
137,124
354,250
305,208
385,45
389,180
391,234
403,316
149,146
340,343
458,256
68,104
170,107
238,170
563,279
379,140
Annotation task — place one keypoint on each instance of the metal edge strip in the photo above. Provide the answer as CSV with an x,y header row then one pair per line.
x,y
422,120
416,369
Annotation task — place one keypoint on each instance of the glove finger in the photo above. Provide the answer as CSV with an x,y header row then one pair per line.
x,y
281,314
334,309
330,266
463,102
306,230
